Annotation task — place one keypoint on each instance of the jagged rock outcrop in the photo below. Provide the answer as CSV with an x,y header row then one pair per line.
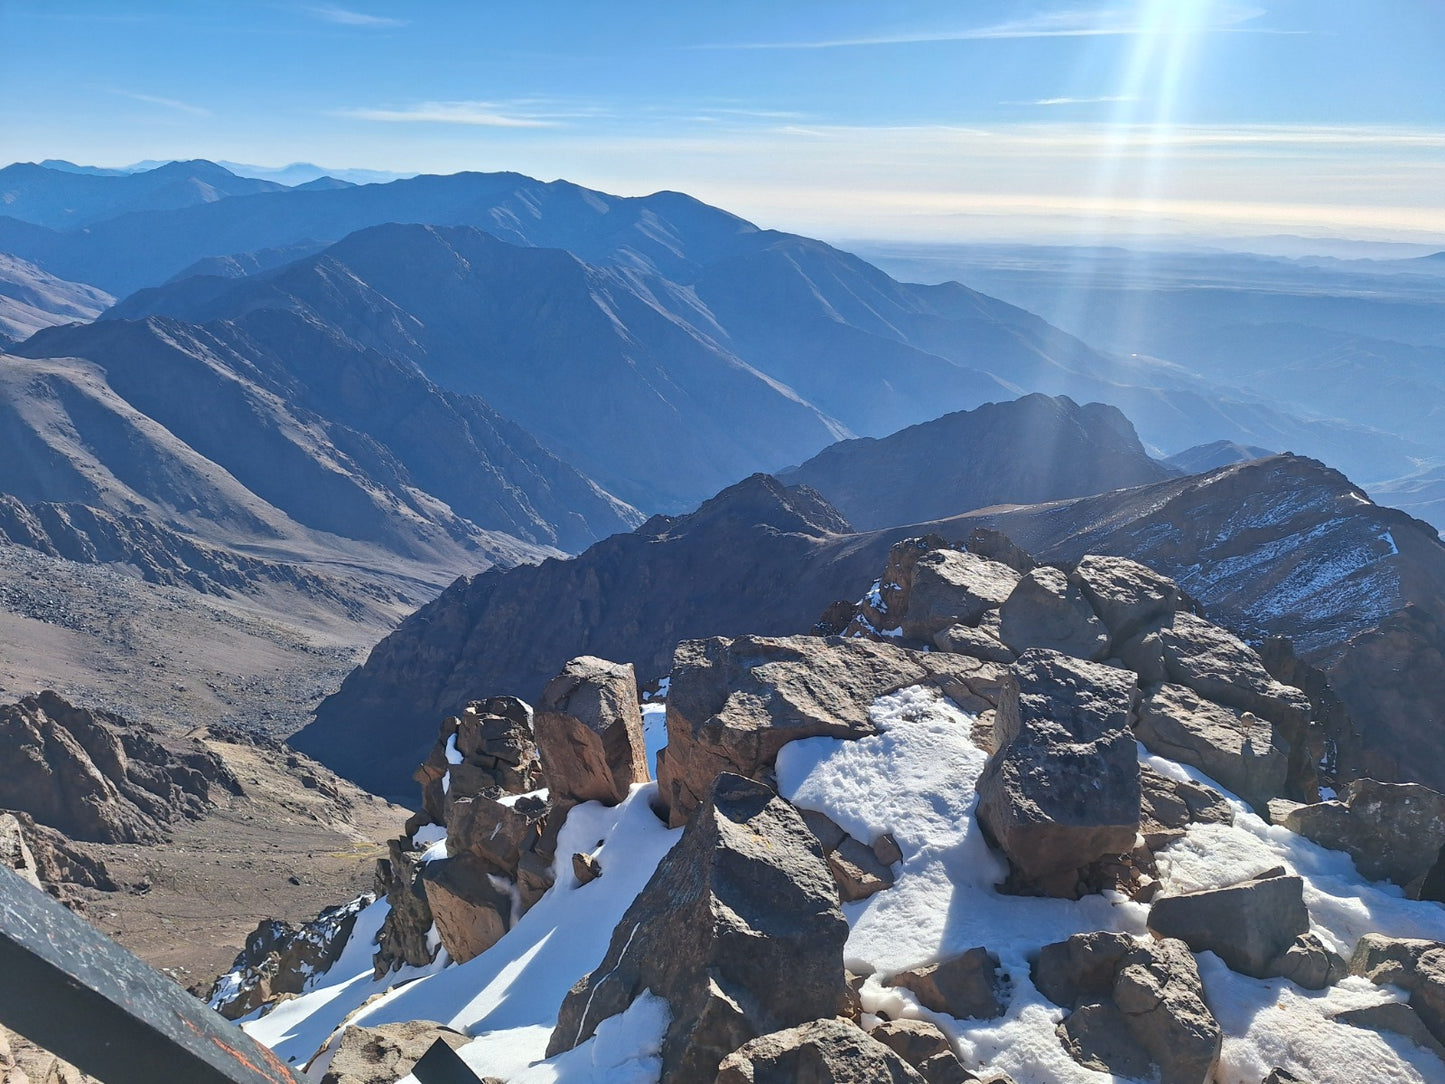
x,y
743,898
98,777
1137,1008
280,958
1393,831
1062,791
950,587
386,1052
488,746
471,912
588,728
403,938
734,703
820,1052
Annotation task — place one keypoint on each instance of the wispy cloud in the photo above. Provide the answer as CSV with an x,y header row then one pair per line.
x,y
1105,22
1075,101
347,17
169,103
475,114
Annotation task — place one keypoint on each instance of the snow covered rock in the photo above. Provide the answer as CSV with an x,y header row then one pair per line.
x,y
733,704
279,958
738,930
497,829
1062,791
1238,748
1393,831
1249,925
951,587
967,986
820,1052
588,729
1046,610
924,1046
386,1052
1137,1007
1167,807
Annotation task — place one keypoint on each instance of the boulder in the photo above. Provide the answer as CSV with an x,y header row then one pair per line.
x,y
857,871
1219,666
1045,610
733,704
1393,831
387,1052
967,986
1062,791
819,1052
1137,1007
1167,807
1239,749
1248,925
1309,963
489,746
962,640
588,729
470,911
924,1046
738,930
951,587
997,546
1395,1016
1126,595
886,604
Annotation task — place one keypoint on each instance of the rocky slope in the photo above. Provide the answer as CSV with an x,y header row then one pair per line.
x,y
1034,449
30,299
1041,852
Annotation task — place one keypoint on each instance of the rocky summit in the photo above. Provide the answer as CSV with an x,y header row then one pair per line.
x,y
1020,821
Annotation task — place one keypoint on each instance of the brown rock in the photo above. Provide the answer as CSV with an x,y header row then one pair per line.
x,y
387,1052
15,852
402,939
1395,1016
1308,963
966,986
820,1052
1169,806
924,1046
1412,964
586,868
588,728
471,913
1138,1007
496,828
857,871
962,640
1219,666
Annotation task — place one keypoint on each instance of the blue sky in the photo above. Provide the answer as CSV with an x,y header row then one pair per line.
x,y
995,118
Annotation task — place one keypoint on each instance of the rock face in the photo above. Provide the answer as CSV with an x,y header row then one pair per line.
x,y
489,746
280,958
1138,1008
1393,831
471,912
402,939
97,777
1249,925
387,1052
1167,807
743,898
950,587
1126,595
15,853
820,1052
1062,791
588,728
1218,665
734,703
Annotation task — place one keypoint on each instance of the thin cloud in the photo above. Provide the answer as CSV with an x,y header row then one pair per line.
x,y
474,114
1109,22
169,103
1076,101
346,17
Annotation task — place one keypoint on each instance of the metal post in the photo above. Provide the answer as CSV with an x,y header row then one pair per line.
x,y
75,992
